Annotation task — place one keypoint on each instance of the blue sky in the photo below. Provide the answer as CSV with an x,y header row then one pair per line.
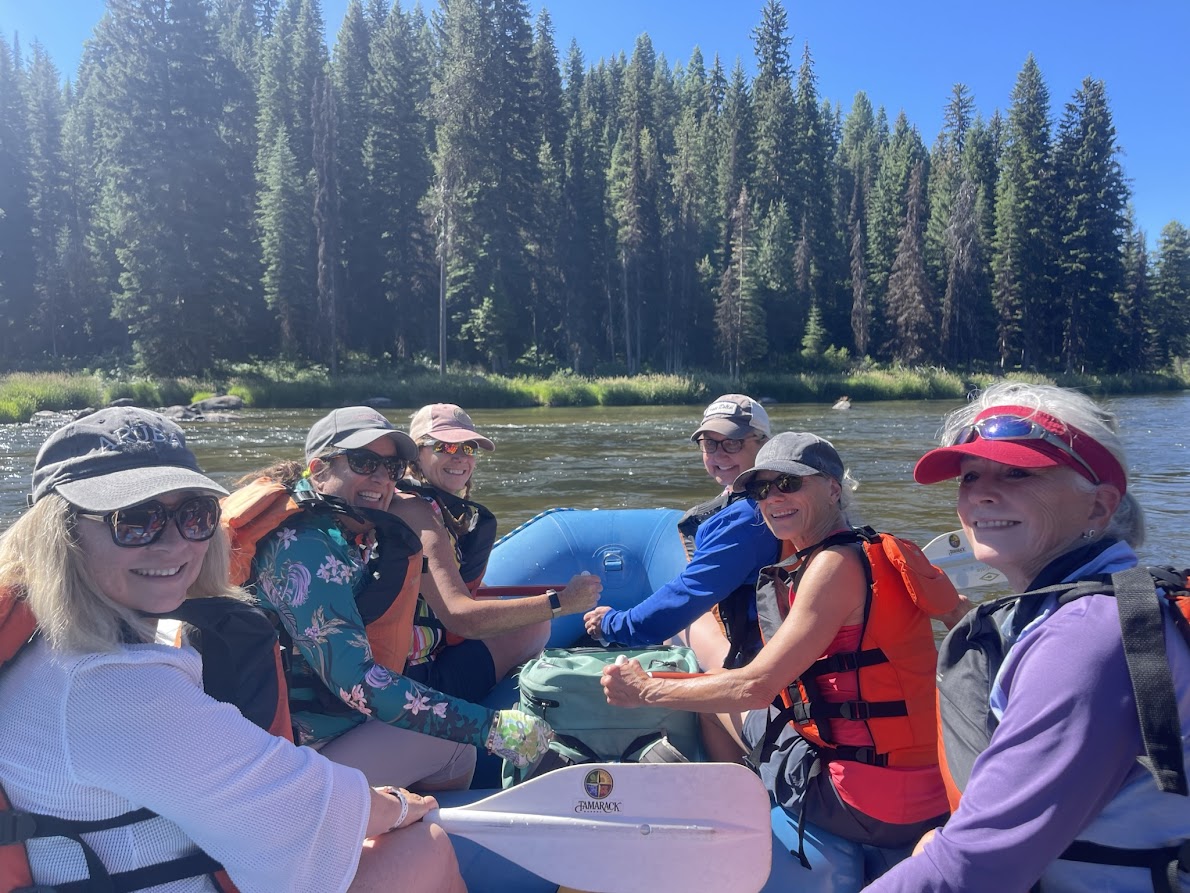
x,y
903,55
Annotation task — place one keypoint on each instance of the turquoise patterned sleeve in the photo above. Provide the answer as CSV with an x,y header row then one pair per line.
x,y
307,573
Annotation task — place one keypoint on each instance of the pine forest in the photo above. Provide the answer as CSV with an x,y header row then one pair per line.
x,y
216,185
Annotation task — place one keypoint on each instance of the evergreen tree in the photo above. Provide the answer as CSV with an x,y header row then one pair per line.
x,y
47,203
813,186
739,319
946,176
287,275
1091,198
734,138
1169,315
1029,331
785,302
861,307
585,238
774,152
1133,349
966,294
393,268
17,247
886,216
326,220
166,190
352,75
910,305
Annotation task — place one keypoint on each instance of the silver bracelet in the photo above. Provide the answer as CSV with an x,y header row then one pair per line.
x,y
400,795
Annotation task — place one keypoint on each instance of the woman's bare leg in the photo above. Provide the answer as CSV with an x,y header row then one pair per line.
x,y
514,648
722,739
710,645
420,857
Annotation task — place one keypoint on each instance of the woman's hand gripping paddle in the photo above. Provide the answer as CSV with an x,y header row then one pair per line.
x,y
629,828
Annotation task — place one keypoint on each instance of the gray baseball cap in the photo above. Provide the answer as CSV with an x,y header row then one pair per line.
x,y
115,458
352,427
735,416
790,452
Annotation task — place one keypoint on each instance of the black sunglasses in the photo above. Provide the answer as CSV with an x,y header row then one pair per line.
x,y
728,444
196,518
760,490
366,462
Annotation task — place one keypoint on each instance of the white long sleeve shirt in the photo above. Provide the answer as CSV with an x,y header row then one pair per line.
x,y
94,736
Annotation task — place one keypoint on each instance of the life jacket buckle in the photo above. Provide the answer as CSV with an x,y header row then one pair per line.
x,y
846,661
855,710
17,827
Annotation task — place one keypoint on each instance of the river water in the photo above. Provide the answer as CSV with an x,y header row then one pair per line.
x,y
640,457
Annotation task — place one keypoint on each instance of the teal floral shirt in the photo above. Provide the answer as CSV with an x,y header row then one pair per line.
x,y
307,572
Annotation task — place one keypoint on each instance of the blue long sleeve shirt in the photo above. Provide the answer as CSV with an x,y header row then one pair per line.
x,y
730,548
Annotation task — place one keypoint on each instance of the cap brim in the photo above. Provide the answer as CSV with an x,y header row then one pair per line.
x,y
781,466
133,486
726,427
462,435
406,448
944,463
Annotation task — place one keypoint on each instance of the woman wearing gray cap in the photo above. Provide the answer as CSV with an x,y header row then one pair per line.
x,y
851,759
340,566
121,772
713,599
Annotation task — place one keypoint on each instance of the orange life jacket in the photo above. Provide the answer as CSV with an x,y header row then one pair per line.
x,y
894,663
386,602
241,666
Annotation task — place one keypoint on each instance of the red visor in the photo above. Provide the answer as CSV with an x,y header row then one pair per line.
x,y
1025,452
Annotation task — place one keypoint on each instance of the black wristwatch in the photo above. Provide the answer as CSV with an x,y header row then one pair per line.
x,y
555,602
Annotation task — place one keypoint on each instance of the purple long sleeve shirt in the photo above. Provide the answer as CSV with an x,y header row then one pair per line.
x,y
1067,742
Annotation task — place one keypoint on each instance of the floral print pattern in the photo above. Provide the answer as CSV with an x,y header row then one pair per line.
x,y
306,573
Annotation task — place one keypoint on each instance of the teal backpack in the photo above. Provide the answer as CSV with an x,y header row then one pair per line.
x,y
562,687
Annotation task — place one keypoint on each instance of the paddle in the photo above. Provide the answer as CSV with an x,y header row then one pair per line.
x,y
629,827
952,554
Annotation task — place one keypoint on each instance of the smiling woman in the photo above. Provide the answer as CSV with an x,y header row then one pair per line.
x,y
1076,691
124,525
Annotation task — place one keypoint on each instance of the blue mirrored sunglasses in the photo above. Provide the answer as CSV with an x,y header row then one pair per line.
x,y
1014,428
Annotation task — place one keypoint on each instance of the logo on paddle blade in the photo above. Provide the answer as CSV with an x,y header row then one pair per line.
x,y
598,784
953,539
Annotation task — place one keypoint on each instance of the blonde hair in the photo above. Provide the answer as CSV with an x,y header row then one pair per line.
x,y
41,556
1072,408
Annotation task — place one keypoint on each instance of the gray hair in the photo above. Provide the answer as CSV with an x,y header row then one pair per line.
x,y
41,556
1075,409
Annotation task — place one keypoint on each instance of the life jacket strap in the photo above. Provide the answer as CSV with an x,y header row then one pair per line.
x,y
850,710
1141,627
1163,863
20,827
847,661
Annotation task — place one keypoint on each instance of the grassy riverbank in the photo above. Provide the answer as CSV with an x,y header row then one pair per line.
x,y
23,394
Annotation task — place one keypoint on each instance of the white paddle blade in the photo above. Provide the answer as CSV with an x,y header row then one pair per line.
x,y
629,828
951,553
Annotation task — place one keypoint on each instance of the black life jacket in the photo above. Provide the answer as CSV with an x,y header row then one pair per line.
x,y
736,612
